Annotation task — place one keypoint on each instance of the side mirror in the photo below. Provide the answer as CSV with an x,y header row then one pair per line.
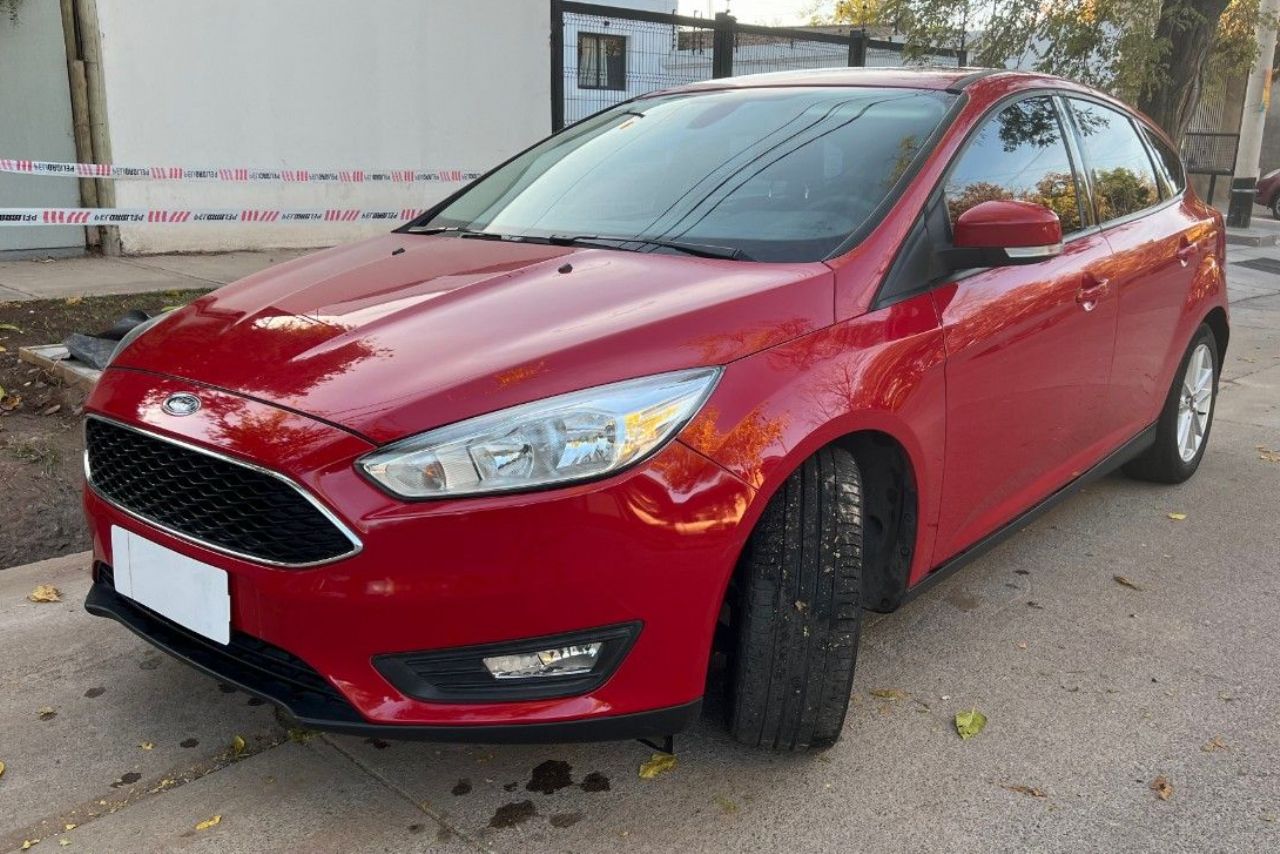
x,y
1003,232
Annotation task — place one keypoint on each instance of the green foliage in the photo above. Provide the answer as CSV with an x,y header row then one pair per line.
x,y
1115,45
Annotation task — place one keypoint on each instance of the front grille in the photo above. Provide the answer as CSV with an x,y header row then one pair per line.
x,y
225,505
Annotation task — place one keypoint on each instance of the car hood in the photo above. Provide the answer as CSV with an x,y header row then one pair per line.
x,y
404,333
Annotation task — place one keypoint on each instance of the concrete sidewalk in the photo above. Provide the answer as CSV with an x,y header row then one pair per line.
x,y
93,275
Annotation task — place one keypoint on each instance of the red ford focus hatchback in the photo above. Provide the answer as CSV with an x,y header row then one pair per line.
x,y
716,369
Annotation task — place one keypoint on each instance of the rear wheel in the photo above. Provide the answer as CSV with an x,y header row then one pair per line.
x,y
797,609
1182,433
1275,206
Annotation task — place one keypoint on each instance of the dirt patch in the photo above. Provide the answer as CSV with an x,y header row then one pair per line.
x,y
41,440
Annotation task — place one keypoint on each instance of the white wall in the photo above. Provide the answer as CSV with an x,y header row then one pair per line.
x,y
335,84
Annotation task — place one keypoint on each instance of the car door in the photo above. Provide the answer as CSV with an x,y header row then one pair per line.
x,y
1158,240
1029,348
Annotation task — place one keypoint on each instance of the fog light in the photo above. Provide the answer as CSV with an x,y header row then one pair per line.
x,y
563,661
537,668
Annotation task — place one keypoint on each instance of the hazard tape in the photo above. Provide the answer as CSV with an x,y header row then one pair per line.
x,y
236,174
130,216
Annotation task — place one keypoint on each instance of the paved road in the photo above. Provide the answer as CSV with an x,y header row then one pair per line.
x,y
1093,690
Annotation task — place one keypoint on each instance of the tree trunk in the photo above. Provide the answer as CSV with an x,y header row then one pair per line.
x,y
1188,27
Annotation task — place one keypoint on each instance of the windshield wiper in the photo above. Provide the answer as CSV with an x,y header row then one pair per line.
x,y
458,230
701,250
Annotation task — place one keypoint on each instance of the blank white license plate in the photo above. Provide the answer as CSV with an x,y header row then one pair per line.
x,y
191,593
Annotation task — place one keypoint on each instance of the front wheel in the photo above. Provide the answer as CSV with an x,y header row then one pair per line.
x,y
1182,432
797,609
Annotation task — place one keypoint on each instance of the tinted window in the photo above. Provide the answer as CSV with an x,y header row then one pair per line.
x,y
1168,164
783,174
1120,168
1018,154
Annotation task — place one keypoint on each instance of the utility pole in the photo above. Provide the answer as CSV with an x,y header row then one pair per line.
x,y
1253,120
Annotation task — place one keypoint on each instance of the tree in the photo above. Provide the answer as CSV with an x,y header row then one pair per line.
x,y
1158,54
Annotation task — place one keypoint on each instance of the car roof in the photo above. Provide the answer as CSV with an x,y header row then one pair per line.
x,y
950,78
983,83
914,78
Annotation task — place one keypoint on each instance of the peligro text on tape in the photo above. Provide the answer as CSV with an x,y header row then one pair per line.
x,y
235,174
133,216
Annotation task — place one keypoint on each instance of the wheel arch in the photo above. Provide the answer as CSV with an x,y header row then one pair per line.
x,y
1216,320
892,507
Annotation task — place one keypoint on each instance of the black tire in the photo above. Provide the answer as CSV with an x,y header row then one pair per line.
x,y
797,612
1275,206
1162,462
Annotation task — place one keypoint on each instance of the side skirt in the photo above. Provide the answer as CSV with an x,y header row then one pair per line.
x,y
1126,452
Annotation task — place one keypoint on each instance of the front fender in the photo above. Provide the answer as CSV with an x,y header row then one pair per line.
x,y
882,371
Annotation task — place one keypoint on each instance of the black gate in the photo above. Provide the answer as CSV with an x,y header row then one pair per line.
x,y
602,55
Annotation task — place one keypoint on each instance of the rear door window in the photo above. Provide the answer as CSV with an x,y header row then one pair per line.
x,y
1120,170
1019,153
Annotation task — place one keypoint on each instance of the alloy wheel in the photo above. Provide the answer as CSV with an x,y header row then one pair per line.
x,y
1195,402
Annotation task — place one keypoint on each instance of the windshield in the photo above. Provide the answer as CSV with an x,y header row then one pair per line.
x,y
784,174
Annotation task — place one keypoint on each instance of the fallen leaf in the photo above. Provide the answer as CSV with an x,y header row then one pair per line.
x,y
1215,743
1162,787
889,694
209,822
1,769
28,843
970,723
46,713
659,763
801,606
146,745
64,842
727,806
51,409
1264,453
74,300
45,593
69,826
1028,790
4,349
300,735
1124,582
237,746
1177,517
10,327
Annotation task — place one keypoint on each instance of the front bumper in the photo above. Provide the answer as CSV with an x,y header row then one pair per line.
x,y
654,545
275,676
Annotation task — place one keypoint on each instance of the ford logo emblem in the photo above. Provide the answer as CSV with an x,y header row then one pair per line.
x,y
181,404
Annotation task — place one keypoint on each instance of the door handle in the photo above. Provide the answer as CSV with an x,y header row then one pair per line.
x,y
1092,292
1186,251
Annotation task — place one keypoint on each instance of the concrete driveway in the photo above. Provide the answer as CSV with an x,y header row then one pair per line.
x,y
1094,690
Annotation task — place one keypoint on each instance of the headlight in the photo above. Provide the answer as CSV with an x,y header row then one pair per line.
x,y
573,437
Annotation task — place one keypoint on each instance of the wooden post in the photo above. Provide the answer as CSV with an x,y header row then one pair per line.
x,y
86,15
79,92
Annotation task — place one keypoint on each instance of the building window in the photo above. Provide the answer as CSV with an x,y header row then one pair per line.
x,y
602,61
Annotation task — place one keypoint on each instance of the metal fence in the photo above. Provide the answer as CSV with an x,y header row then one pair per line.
x,y
1211,153
603,55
